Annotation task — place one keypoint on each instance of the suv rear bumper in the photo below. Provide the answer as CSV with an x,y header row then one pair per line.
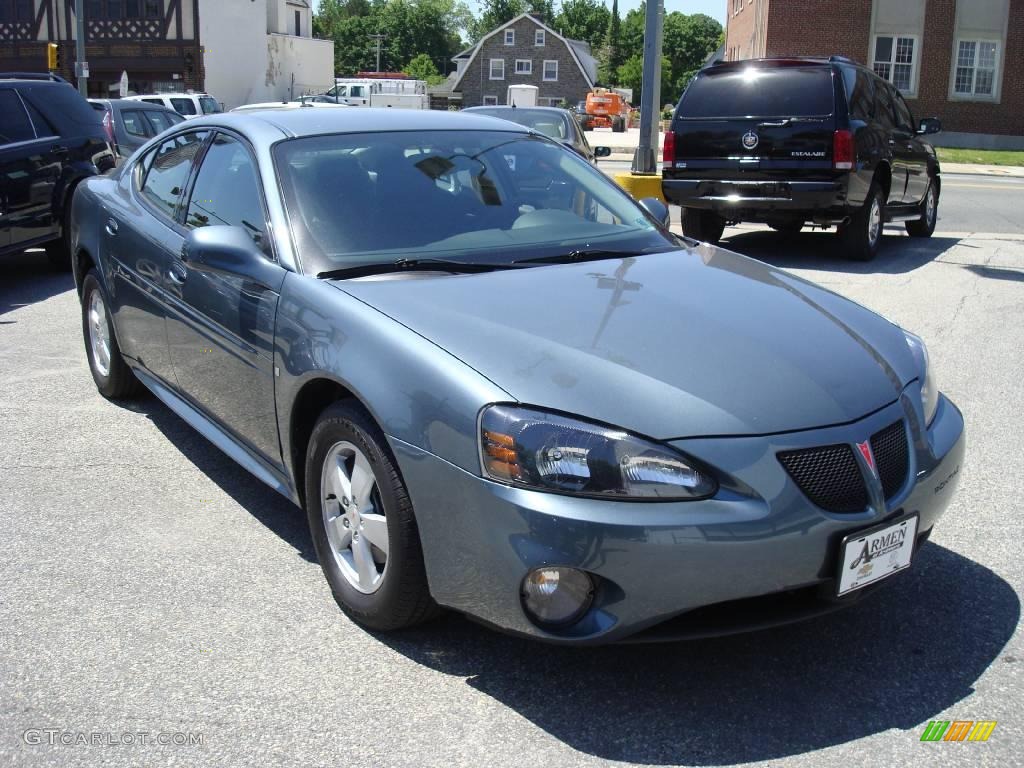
x,y
752,200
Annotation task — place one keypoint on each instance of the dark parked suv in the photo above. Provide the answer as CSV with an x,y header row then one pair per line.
x,y
796,141
50,139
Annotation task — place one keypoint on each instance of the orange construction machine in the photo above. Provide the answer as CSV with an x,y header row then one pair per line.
x,y
605,109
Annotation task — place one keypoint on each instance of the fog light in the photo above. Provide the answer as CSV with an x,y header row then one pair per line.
x,y
555,595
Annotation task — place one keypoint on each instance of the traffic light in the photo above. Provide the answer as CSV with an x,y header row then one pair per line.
x,y
52,57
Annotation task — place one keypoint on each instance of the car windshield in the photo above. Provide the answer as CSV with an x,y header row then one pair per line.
x,y
209,105
759,92
543,121
474,196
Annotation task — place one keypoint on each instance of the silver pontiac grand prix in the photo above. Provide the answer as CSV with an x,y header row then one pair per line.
x,y
498,385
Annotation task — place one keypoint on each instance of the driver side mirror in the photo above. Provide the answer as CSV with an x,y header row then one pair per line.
x,y
602,152
929,125
230,251
657,209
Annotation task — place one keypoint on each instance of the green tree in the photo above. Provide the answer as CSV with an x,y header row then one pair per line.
x,y
688,41
420,67
544,9
585,20
630,75
614,54
494,13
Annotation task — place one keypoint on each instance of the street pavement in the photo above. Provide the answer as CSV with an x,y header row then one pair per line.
x,y
151,586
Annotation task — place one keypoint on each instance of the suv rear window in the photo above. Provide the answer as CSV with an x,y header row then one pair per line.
x,y
61,103
753,92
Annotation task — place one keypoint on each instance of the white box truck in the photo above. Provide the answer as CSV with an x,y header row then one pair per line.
x,y
522,95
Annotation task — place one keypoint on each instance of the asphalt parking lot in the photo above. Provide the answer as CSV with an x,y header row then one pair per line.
x,y
151,586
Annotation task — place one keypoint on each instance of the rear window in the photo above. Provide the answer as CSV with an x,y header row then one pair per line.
x,y
209,105
60,104
751,92
184,106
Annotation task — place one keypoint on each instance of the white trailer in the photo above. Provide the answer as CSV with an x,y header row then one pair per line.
x,y
522,95
400,100
380,92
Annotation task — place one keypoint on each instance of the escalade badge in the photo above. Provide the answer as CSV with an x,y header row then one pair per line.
x,y
750,140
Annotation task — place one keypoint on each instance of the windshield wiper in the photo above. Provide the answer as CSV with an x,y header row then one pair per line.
x,y
407,265
585,254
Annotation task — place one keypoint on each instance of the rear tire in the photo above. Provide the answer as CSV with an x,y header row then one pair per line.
x,y
114,379
706,226
924,226
862,236
389,591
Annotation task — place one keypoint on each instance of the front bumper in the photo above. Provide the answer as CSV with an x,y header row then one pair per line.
x,y
655,562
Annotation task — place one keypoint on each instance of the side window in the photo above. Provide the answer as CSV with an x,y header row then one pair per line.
x,y
154,101
184,106
168,169
40,123
904,118
14,123
860,93
227,190
883,107
134,124
161,121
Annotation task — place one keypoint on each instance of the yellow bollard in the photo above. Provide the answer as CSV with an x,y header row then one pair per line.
x,y
640,186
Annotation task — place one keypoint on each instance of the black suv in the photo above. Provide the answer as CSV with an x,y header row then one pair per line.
x,y
789,142
50,139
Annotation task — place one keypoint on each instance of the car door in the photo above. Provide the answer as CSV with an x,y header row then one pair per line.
x,y
913,150
895,146
140,234
32,158
221,327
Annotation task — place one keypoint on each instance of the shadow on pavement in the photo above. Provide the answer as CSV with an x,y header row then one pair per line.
x,y
29,278
894,661
274,511
996,273
823,251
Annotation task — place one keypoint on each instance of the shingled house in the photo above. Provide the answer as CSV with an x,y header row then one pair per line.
x,y
524,51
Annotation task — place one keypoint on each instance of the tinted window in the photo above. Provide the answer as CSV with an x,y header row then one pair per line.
x,y
154,101
860,94
751,92
549,123
883,106
161,121
134,123
227,189
63,106
904,118
40,123
470,195
168,168
184,106
209,104
14,123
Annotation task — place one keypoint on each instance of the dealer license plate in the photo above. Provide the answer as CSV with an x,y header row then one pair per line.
x,y
872,555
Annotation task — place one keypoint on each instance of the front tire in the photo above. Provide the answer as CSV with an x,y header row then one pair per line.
x,y
362,523
114,379
706,226
925,226
862,236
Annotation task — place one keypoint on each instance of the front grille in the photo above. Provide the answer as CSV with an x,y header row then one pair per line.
x,y
829,476
891,457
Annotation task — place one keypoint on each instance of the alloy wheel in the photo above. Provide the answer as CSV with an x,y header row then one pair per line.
x,y
874,221
99,334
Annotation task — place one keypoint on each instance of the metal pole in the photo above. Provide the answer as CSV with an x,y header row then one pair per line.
x,y
378,38
83,87
644,161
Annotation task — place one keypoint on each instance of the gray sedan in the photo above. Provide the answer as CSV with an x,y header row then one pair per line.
x,y
497,384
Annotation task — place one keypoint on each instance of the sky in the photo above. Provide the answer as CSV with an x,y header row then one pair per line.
x,y
713,8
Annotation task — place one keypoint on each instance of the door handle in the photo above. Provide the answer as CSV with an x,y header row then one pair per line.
x,y
58,150
177,273
111,227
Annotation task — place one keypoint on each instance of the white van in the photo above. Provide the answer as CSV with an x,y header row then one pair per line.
x,y
185,104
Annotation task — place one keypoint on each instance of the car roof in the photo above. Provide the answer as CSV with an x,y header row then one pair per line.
x,y
132,104
314,122
781,62
509,106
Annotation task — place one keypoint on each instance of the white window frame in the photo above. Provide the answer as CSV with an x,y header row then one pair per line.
x,y
490,69
539,37
490,101
544,71
554,101
510,37
529,67
956,95
910,93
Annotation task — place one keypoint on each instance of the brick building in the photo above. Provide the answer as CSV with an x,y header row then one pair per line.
x,y
959,60
524,51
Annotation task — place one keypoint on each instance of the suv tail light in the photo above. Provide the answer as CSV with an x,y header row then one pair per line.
x,y
668,151
842,151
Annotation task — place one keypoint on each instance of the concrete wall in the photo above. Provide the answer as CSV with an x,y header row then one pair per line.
x,y
311,61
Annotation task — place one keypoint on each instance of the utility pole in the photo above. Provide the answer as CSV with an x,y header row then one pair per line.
x,y
644,161
81,68
378,38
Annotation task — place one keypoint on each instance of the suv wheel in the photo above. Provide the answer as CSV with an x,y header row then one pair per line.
x,y
362,523
924,226
706,226
863,234
114,379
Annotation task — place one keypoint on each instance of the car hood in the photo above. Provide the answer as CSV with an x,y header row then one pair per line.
x,y
686,343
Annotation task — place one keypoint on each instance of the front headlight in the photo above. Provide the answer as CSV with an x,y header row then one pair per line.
x,y
929,392
549,452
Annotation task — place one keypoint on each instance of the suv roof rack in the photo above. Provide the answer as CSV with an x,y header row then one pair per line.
x,y
32,76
